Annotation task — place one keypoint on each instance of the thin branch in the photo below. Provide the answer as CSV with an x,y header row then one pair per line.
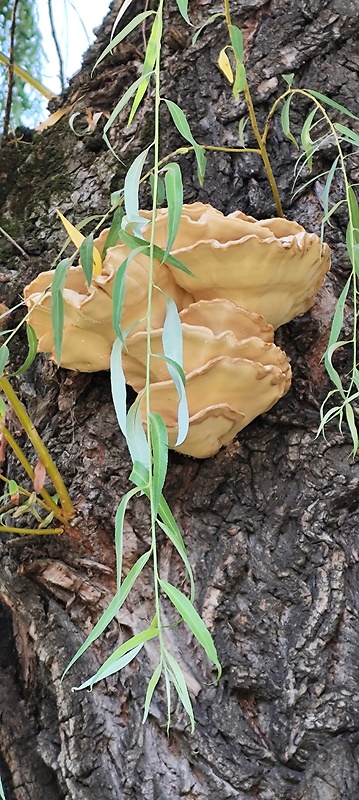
x,y
10,239
54,36
10,74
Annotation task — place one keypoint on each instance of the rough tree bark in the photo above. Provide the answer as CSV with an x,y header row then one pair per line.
x,y
269,523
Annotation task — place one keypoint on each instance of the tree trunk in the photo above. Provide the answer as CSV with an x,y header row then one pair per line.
x,y
269,522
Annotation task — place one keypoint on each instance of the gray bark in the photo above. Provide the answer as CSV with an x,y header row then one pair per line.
x,y
270,523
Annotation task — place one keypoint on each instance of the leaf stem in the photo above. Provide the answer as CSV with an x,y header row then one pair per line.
x,y
42,451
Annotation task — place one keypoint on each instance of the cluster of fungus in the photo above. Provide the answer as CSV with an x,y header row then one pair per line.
x,y
248,278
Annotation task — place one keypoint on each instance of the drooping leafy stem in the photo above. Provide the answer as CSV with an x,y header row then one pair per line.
x,y
338,133
241,84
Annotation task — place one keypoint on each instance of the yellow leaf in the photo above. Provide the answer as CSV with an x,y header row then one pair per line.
x,y
224,65
26,76
77,238
53,118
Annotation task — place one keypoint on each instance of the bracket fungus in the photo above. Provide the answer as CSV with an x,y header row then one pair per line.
x,y
248,278
88,333
272,266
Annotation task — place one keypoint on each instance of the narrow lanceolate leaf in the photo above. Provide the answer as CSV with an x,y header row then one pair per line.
x,y
121,656
114,605
349,413
119,521
225,65
209,21
183,9
172,339
132,185
86,256
113,235
135,436
161,193
151,55
117,110
237,41
174,194
177,541
240,80
2,794
57,305
350,136
116,666
134,241
328,185
337,325
32,345
183,127
159,442
122,35
118,384
285,120
194,622
178,679
4,357
329,102
118,297
150,689
307,142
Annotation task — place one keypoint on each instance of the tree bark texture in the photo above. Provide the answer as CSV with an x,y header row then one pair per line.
x,y
270,522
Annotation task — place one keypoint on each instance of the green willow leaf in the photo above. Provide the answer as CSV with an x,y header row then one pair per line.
x,y
151,55
236,41
117,110
208,22
285,121
307,142
194,622
116,602
183,9
174,194
113,235
32,345
132,185
57,305
121,657
135,436
159,442
175,537
349,135
2,794
150,690
111,669
329,102
122,35
161,193
86,256
179,682
288,78
134,241
183,127
118,384
4,357
328,185
240,80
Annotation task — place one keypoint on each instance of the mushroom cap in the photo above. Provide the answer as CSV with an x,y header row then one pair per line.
x,y
201,344
231,389
273,267
89,309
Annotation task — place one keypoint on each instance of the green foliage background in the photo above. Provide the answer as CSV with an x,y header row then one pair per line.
x,y
27,104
